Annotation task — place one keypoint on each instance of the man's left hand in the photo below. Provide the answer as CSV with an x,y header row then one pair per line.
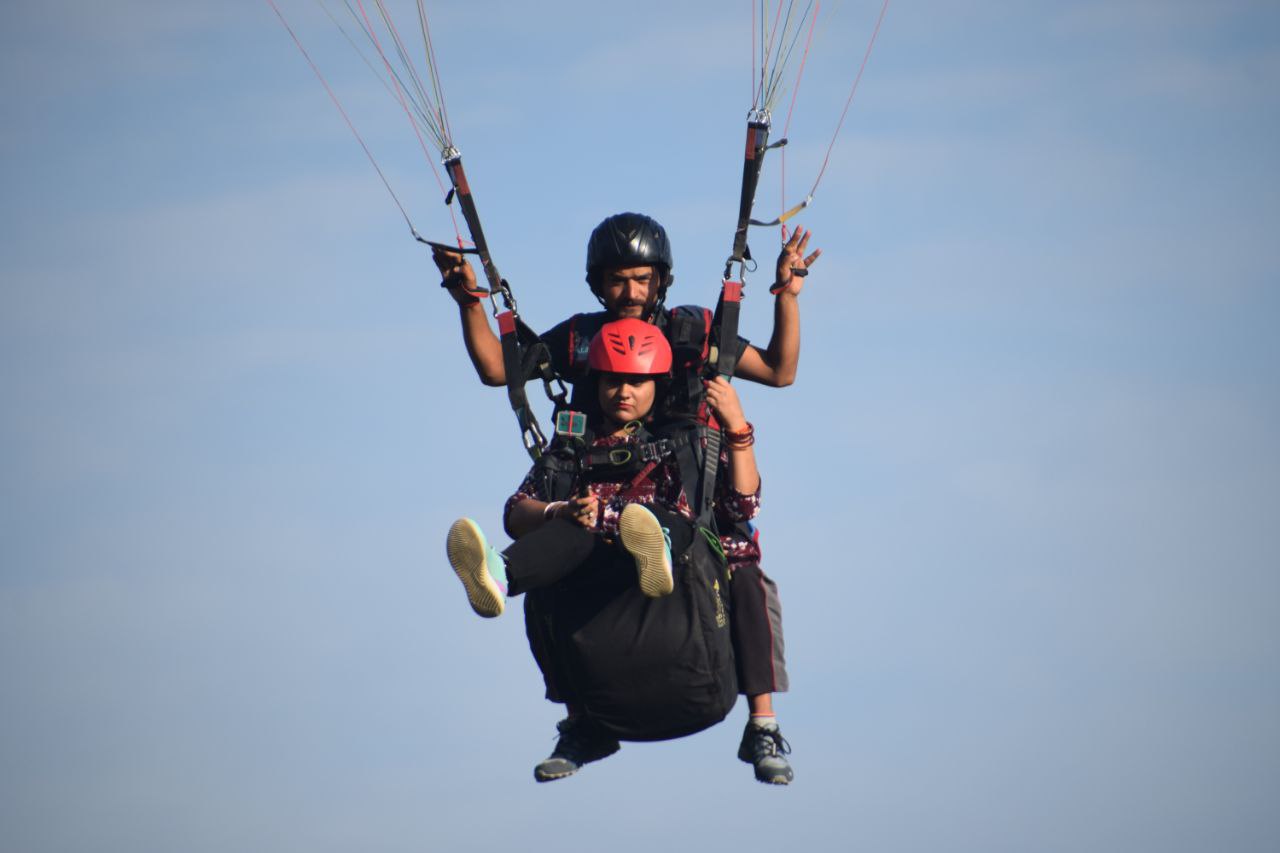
x,y
793,264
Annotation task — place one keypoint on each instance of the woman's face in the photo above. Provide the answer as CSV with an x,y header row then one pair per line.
x,y
626,397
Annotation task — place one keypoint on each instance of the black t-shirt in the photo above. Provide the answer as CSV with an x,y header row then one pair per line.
x,y
689,330
570,340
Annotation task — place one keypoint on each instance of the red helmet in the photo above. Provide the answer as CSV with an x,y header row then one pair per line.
x,y
631,346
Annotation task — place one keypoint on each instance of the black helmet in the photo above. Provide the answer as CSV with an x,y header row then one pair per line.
x,y
628,240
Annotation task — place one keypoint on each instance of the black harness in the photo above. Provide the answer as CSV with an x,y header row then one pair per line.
x,y
571,464
682,431
524,356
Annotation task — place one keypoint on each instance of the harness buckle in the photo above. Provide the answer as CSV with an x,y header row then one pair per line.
x,y
659,449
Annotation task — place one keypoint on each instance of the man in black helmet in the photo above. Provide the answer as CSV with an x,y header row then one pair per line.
x,y
629,264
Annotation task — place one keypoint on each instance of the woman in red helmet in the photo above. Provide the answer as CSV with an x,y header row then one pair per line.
x,y
628,357
641,508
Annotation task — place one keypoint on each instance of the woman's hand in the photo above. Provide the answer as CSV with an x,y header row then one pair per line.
x,y
581,511
724,402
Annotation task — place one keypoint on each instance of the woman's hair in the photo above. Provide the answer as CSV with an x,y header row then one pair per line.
x,y
595,414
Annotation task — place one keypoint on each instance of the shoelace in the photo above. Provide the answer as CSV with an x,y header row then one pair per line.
x,y
771,742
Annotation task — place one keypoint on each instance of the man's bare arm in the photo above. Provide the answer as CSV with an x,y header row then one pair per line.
x,y
777,364
483,346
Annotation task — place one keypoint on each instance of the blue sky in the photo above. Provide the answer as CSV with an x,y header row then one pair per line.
x,y
1022,503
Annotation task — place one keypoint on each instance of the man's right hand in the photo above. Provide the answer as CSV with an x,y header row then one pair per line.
x,y
458,276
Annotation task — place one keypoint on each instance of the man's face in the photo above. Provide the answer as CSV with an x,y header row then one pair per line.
x,y
630,291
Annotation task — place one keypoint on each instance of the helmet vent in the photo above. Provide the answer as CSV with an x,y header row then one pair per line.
x,y
630,346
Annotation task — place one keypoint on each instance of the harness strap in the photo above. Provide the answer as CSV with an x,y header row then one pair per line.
x,y
727,327
710,468
626,454
462,192
523,355
726,363
757,145
689,462
537,362
731,298
513,364
633,487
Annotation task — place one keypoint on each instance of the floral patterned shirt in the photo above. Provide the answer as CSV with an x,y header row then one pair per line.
x,y
662,487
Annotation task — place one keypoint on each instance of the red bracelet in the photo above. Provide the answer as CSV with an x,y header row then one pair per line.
x,y
741,438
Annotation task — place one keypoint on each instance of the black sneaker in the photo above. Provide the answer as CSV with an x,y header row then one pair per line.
x,y
765,748
581,742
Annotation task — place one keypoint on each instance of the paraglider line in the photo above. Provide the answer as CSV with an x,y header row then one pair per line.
x,y
795,93
400,92
345,117
852,92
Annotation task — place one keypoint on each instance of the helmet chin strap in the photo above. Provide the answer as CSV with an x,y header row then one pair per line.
x,y
659,305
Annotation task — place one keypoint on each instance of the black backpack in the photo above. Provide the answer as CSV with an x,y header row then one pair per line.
x,y
642,668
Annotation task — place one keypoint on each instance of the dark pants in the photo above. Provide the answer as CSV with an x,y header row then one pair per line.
x,y
756,626
559,548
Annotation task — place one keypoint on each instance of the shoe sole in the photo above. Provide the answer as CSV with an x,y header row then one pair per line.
x,y
466,548
542,776
641,536
779,778
774,780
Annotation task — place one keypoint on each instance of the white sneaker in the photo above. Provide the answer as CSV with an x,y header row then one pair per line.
x,y
645,539
476,564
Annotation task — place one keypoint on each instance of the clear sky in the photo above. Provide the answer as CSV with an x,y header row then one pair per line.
x,y
1023,503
